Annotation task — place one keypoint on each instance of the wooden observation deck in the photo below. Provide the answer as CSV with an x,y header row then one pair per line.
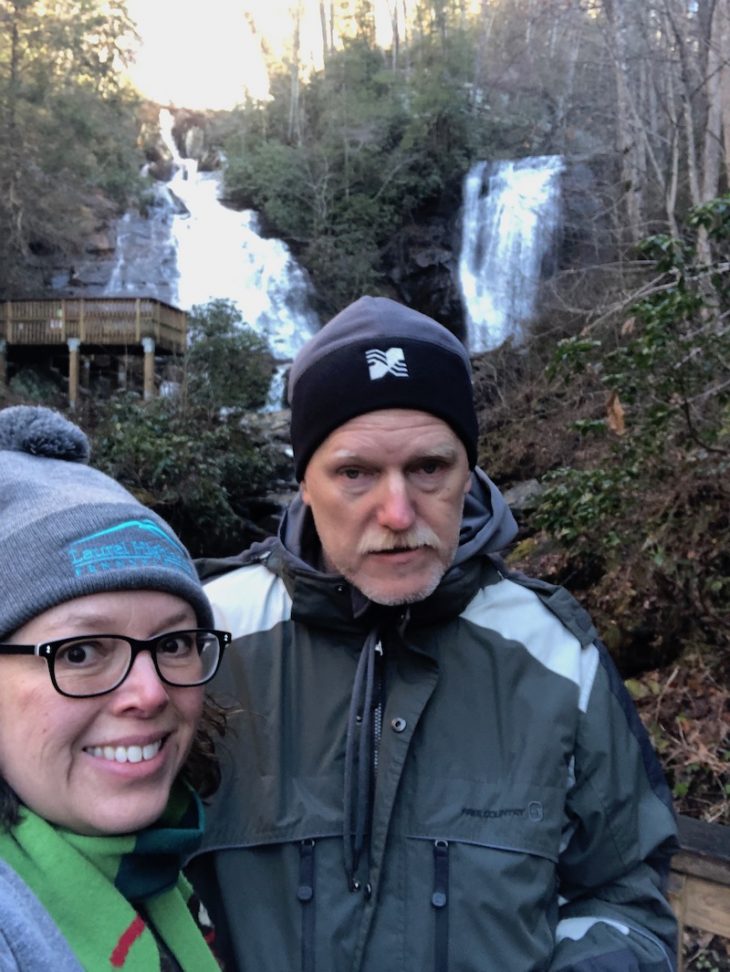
x,y
116,325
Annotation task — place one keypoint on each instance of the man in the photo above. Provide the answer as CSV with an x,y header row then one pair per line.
x,y
434,766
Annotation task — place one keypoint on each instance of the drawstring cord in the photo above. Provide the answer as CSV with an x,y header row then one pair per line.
x,y
358,778
361,753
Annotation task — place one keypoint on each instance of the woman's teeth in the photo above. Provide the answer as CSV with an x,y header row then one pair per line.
x,y
126,754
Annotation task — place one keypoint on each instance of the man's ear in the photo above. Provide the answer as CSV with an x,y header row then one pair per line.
x,y
467,484
304,492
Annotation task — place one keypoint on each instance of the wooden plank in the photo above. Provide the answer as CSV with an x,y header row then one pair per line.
x,y
699,883
705,850
700,904
709,839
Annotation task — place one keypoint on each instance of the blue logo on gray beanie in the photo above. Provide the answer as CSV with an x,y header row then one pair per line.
x,y
132,545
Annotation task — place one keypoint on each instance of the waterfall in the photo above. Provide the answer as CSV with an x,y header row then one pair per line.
x,y
201,250
221,254
507,232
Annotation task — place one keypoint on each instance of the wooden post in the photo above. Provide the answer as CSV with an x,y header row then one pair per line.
x,y
122,365
148,344
137,320
3,363
82,320
73,371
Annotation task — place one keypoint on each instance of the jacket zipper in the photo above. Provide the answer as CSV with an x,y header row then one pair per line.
x,y
378,711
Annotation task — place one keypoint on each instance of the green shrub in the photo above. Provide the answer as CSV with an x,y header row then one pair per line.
x,y
227,365
196,472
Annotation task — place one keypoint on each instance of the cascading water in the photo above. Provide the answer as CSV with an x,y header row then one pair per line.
x,y
507,232
220,254
215,252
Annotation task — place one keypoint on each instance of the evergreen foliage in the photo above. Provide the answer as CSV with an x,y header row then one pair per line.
x,y
188,456
656,496
196,471
67,125
377,145
227,365
368,162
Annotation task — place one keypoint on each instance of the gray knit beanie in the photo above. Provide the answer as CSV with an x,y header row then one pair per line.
x,y
378,354
67,530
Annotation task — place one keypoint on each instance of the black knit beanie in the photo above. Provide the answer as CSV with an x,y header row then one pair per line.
x,y
378,354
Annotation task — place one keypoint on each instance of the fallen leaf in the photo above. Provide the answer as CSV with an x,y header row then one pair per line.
x,y
615,414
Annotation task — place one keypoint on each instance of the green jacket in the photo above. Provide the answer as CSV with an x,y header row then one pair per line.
x,y
460,786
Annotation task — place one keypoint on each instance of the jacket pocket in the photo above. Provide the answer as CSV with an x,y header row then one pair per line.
x,y
486,857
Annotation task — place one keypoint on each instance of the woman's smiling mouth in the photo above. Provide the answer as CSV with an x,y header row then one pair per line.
x,y
126,754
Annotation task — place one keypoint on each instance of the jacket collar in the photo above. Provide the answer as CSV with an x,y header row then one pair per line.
x,y
328,599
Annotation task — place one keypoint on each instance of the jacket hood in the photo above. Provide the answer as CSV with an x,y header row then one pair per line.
x,y
488,526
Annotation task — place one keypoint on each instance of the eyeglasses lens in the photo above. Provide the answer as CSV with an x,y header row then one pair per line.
x,y
90,666
187,657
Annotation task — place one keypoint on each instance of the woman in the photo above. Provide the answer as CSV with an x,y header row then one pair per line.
x,y
106,641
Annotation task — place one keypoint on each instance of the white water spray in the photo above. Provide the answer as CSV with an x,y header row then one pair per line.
x,y
507,232
221,255
192,249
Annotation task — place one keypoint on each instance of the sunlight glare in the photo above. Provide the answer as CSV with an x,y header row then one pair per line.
x,y
200,55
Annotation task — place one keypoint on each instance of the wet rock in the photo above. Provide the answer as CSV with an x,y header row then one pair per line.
x,y
523,496
161,169
99,243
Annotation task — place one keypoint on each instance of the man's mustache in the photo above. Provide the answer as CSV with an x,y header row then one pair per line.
x,y
383,540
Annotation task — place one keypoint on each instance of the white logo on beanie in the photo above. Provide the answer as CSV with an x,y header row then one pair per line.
x,y
390,362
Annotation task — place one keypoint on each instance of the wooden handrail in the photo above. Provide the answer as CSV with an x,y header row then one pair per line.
x,y
699,884
95,320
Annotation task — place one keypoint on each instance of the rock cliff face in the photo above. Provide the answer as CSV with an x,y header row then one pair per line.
x,y
421,263
95,269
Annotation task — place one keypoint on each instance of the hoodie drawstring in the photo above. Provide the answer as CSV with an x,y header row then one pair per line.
x,y
359,759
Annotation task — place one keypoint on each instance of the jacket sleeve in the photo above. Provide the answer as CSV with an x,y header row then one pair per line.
x,y
620,833
29,938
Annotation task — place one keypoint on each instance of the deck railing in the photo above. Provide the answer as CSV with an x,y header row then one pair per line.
x,y
93,320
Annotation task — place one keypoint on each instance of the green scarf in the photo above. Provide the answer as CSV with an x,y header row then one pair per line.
x,y
93,886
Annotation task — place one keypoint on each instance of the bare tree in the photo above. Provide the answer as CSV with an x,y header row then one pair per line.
x,y
294,129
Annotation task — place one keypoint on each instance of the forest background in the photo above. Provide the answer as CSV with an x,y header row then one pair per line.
x,y
614,410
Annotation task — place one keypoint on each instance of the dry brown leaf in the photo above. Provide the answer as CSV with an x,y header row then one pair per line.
x,y
615,414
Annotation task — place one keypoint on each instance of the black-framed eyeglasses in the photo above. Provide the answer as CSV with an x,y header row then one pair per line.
x,y
89,665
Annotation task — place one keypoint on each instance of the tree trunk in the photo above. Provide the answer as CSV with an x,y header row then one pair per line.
x,y
294,131
630,143
713,146
325,32
12,242
724,94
